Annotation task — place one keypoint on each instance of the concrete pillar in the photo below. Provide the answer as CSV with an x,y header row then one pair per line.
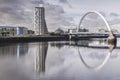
x,y
112,39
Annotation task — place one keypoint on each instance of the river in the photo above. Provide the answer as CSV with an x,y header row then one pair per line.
x,y
60,60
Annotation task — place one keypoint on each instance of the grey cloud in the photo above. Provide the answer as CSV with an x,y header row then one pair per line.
x,y
53,9
9,8
115,19
94,16
21,12
11,11
93,21
38,2
55,17
103,13
114,14
65,2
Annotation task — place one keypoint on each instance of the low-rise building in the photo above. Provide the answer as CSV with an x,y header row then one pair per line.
x,y
8,31
83,30
14,31
72,30
21,31
75,30
58,31
30,32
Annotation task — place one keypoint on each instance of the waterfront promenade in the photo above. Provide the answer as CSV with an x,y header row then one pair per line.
x,y
46,38
63,37
32,38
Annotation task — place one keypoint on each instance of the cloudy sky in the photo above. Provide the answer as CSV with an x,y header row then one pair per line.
x,y
59,13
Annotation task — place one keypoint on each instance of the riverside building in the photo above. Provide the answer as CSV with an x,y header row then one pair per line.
x,y
39,21
14,31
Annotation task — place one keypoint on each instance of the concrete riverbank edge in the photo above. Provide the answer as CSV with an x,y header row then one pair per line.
x,y
32,39
44,38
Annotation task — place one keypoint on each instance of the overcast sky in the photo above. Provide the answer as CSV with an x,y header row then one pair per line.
x,y
59,13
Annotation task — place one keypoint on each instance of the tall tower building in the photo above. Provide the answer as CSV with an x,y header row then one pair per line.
x,y
39,21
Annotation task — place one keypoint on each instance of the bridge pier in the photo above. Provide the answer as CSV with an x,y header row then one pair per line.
x,y
112,40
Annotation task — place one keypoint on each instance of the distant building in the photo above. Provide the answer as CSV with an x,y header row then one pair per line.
x,y
75,30
14,31
21,31
30,32
59,31
72,30
83,30
8,31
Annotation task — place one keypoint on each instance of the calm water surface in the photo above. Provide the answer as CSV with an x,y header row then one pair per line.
x,y
61,60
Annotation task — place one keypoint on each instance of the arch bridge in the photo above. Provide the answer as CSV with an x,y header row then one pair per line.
x,y
111,36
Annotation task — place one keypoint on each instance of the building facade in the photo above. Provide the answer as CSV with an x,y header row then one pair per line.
x,y
21,31
15,31
8,31
39,21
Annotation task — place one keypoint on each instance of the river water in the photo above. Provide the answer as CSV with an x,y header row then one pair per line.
x,y
60,60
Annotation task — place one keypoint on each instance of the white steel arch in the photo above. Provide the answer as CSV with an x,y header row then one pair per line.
x,y
101,16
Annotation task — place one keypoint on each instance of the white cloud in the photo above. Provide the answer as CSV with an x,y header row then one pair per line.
x,y
21,13
59,13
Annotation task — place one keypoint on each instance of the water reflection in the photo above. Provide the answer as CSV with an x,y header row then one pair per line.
x,y
111,47
41,54
97,44
22,49
59,61
14,49
59,45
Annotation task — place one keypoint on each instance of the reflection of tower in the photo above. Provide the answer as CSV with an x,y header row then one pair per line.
x,y
22,49
39,22
41,56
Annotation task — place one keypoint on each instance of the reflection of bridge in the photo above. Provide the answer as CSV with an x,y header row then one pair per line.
x,y
81,44
93,47
78,46
42,55
98,66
